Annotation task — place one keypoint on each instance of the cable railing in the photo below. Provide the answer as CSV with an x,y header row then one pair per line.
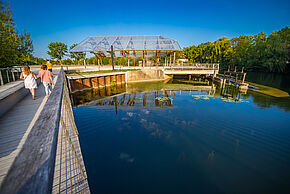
x,y
69,175
10,74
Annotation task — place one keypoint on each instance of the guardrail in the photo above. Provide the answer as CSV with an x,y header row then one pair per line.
x,y
36,167
69,174
9,74
196,66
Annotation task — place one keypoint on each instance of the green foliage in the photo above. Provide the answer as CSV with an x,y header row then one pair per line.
x,y
15,48
76,56
67,62
254,53
57,50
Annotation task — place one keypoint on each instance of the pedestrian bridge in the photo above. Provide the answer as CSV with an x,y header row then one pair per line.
x,y
196,69
40,150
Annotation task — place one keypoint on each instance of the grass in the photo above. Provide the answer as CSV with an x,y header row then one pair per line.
x,y
98,72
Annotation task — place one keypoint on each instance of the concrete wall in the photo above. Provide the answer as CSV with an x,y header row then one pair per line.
x,y
102,80
145,75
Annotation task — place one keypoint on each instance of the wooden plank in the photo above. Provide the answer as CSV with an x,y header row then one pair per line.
x,y
33,174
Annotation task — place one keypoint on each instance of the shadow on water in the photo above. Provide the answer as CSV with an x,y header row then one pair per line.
x,y
279,81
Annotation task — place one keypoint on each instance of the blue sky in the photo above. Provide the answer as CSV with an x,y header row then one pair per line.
x,y
188,22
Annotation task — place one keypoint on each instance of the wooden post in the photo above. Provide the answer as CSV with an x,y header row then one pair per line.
x,y
242,70
235,68
145,58
1,78
7,73
143,64
244,77
13,76
84,55
174,58
156,58
170,59
112,55
134,53
128,58
165,63
123,58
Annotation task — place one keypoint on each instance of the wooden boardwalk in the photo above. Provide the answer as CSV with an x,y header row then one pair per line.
x,y
15,126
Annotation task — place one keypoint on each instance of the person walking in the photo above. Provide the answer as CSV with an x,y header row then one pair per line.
x,y
49,65
46,79
29,80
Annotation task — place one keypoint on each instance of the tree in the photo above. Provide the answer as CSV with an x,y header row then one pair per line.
x,y
9,39
15,48
57,50
76,56
25,48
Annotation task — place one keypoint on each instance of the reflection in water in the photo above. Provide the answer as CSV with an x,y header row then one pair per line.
x,y
159,94
137,94
211,155
126,157
86,96
183,137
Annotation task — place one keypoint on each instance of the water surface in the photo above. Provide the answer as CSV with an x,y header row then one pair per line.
x,y
181,137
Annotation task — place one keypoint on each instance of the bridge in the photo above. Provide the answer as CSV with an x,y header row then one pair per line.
x,y
194,69
40,150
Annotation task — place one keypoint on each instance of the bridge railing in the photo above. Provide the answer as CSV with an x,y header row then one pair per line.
x,y
39,162
196,66
10,74
69,173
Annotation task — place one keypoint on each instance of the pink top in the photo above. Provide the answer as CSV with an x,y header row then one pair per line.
x,y
45,76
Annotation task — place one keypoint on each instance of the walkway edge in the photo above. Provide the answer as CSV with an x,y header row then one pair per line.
x,y
22,141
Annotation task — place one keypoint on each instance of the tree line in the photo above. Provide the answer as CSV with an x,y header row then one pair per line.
x,y
255,53
15,47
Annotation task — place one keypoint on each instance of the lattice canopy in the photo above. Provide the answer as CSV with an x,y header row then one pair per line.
x,y
148,43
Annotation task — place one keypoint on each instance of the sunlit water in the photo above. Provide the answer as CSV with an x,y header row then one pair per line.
x,y
183,138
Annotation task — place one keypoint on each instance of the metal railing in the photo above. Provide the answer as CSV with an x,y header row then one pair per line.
x,y
9,74
196,66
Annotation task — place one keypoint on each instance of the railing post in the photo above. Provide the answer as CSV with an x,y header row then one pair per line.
x,y
1,78
13,76
7,73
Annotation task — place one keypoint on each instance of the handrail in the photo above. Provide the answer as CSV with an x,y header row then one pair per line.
x,y
193,67
70,174
6,72
34,168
